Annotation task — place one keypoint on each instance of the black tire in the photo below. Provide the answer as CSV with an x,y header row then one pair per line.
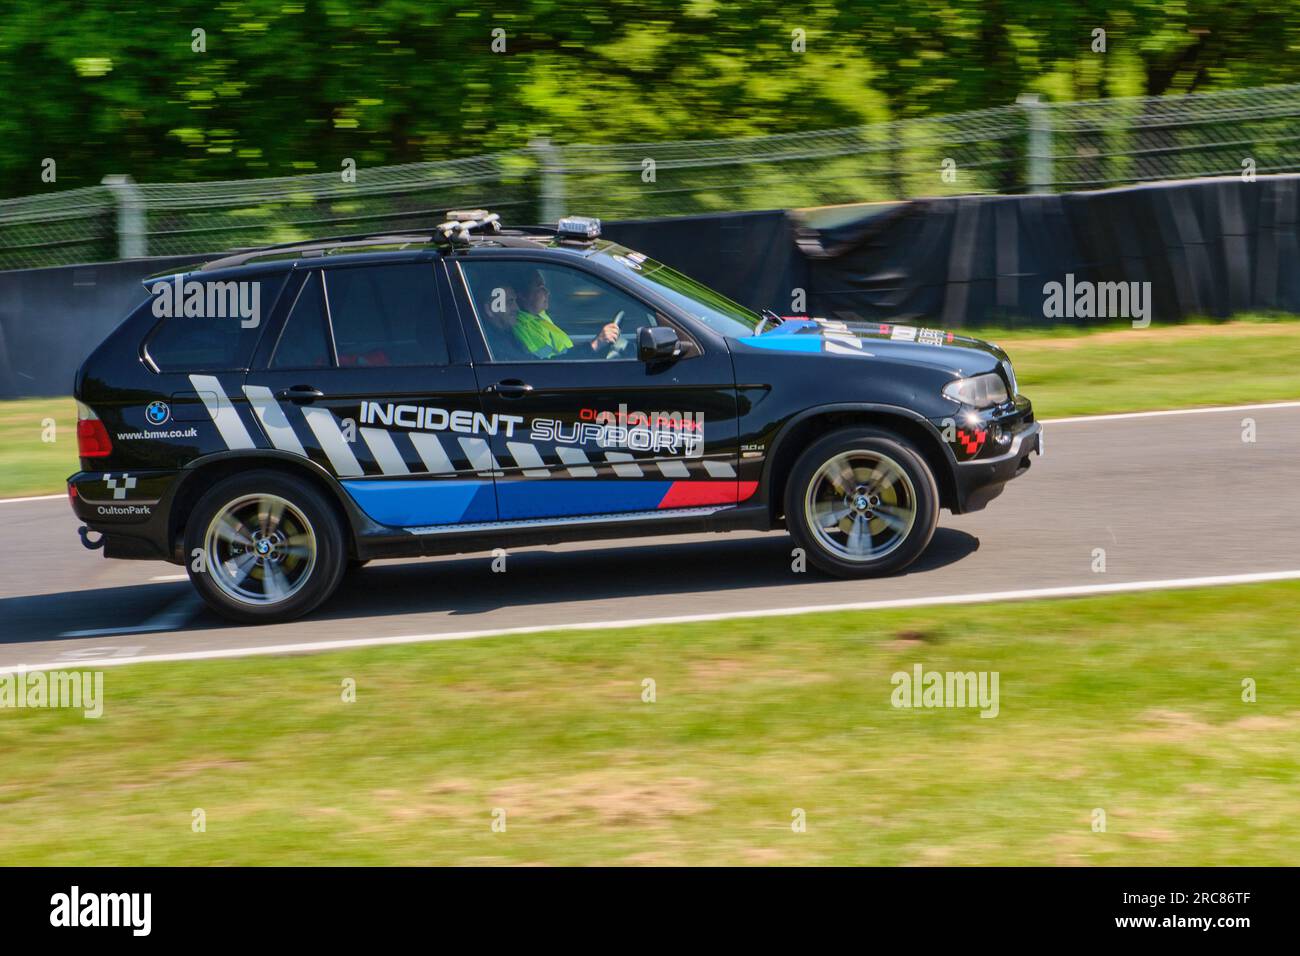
x,y
912,491
306,550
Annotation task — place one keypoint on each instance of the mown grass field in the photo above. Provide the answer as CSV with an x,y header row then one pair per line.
x,y
1114,370
1129,370
1130,704
29,464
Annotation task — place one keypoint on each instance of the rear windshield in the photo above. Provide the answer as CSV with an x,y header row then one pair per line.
x,y
209,325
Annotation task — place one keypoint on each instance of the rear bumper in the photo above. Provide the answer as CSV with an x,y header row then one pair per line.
x,y
129,511
979,482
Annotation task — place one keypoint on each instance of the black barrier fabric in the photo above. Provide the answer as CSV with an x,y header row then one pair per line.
x,y
1202,248
51,319
749,257
1209,247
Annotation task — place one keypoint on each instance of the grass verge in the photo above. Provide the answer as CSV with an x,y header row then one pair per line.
x,y
1130,370
1110,370
1131,705
35,459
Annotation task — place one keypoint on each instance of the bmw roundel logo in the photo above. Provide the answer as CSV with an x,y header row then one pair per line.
x,y
158,413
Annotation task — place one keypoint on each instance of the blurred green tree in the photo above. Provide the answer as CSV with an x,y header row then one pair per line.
x,y
288,86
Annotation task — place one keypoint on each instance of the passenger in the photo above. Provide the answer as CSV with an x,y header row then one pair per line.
x,y
501,309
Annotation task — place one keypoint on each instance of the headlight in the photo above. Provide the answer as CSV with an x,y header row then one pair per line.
x,y
1011,377
982,391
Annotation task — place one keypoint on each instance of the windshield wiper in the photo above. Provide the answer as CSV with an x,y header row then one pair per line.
x,y
768,316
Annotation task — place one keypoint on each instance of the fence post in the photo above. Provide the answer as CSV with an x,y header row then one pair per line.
x,y
132,236
552,173
1038,167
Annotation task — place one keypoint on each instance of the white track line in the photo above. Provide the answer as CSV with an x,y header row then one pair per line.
x,y
14,501
1084,590
1173,411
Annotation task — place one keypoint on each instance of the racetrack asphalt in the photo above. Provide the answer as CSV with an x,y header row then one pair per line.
x,y
1167,497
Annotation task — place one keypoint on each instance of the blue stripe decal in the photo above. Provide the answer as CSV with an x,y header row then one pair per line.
x,y
558,497
785,343
432,501
791,326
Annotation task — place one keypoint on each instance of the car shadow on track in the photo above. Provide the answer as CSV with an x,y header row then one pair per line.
x,y
466,586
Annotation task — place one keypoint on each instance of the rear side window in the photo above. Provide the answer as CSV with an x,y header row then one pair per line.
x,y
386,315
304,343
209,325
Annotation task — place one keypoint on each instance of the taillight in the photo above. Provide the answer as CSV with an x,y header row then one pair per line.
x,y
92,436
92,439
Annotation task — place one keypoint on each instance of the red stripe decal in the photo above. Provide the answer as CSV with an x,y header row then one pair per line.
x,y
691,494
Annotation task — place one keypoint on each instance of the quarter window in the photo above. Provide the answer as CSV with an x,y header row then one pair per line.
x,y
209,325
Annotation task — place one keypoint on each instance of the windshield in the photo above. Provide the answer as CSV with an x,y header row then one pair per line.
x,y
712,308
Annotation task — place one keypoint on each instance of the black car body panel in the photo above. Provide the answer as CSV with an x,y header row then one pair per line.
x,y
428,445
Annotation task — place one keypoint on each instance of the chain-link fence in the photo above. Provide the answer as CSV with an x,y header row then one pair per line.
x,y
1109,142
1029,146
944,155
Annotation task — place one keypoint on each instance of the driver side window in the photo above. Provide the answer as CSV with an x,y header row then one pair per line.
x,y
532,311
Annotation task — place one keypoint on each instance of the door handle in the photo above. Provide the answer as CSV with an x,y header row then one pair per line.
x,y
300,394
510,388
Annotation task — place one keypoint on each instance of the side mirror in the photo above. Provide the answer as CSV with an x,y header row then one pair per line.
x,y
657,343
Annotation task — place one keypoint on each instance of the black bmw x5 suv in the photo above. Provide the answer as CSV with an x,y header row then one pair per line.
x,y
273,417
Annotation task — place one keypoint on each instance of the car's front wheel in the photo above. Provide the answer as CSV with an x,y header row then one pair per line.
x,y
861,502
264,548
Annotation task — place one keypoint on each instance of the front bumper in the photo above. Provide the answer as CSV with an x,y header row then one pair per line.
x,y
981,480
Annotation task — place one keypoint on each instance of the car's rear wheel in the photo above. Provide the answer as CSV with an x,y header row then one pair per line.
x,y
272,549
861,502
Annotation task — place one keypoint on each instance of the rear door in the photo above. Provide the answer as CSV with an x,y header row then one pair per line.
x,y
364,379
586,435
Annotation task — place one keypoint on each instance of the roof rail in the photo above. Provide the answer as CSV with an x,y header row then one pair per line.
x,y
314,245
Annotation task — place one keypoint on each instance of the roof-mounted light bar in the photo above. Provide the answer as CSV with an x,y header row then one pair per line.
x,y
578,227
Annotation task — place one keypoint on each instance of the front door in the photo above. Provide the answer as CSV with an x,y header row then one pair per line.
x,y
585,432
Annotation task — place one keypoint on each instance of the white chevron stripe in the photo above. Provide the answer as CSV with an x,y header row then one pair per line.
x,y
576,459
224,415
719,469
385,451
274,421
431,453
480,456
672,468
844,339
529,459
837,348
623,466
336,449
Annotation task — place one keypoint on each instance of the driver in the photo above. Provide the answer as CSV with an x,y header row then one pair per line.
x,y
537,332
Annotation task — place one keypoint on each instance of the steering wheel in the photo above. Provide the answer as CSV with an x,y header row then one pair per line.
x,y
617,349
